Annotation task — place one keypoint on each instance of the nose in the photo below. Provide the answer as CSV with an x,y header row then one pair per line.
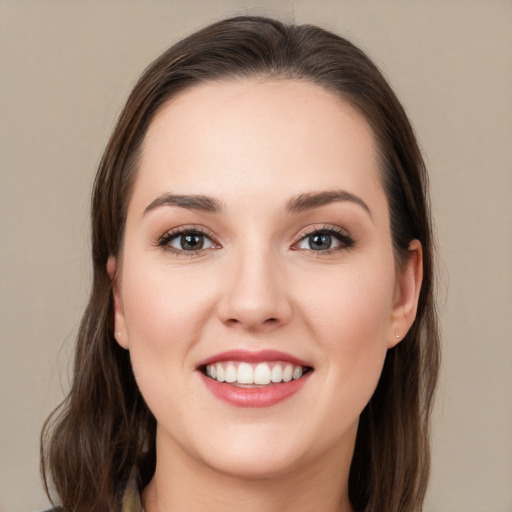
x,y
255,295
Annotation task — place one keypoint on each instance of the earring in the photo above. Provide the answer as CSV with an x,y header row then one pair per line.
x,y
119,334
397,335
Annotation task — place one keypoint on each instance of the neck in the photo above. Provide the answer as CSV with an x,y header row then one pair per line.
x,y
184,484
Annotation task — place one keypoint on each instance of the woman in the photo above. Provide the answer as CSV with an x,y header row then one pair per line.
x,y
261,331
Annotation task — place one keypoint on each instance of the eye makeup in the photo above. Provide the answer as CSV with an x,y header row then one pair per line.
x,y
192,241
189,241
325,240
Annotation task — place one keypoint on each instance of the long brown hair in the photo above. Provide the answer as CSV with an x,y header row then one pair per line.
x,y
103,429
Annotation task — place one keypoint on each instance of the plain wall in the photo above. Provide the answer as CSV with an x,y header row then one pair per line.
x,y
65,69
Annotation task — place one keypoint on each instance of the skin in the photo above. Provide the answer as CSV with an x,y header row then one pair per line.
x,y
254,145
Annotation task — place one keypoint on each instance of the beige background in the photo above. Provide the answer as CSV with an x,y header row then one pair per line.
x,y
65,69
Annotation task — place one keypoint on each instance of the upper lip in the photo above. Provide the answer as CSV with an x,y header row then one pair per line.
x,y
248,356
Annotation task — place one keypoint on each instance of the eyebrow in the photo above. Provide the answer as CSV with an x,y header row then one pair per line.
x,y
190,202
297,204
312,200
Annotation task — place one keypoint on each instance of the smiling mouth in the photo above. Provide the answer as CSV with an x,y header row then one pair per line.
x,y
254,375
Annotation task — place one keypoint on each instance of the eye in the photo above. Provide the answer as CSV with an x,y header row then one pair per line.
x,y
186,241
190,242
325,240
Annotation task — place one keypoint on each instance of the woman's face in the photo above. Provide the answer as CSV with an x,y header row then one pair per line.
x,y
256,290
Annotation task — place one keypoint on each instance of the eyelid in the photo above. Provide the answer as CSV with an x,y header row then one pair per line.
x,y
345,238
163,241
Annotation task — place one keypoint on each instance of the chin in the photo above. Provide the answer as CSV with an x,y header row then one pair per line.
x,y
257,465
259,451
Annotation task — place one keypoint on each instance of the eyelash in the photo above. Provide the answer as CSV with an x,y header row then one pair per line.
x,y
345,240
165,240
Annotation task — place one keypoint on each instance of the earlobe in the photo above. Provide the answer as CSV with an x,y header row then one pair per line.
x,y
120,333
407,292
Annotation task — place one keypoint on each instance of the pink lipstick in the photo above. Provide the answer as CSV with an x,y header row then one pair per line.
x,y
254,379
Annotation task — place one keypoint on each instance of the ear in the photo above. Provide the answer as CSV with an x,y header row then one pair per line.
x,y
406,296
120,333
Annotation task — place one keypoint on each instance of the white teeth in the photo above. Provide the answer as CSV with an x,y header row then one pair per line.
x,y
221,374
262,374
276,374
230,375
244,375
297,372
288,373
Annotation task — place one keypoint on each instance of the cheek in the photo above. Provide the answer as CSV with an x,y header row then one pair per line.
x,y
348,312
164,318
351,305
161,309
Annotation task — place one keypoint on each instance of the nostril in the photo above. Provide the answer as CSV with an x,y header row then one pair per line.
x,y
237,321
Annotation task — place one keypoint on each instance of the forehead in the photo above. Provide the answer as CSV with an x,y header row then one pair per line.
x,y
257,137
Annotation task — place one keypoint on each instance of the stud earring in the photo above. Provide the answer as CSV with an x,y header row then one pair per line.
x,y
397,335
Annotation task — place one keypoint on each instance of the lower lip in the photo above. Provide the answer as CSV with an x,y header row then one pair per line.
x,y
254,397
